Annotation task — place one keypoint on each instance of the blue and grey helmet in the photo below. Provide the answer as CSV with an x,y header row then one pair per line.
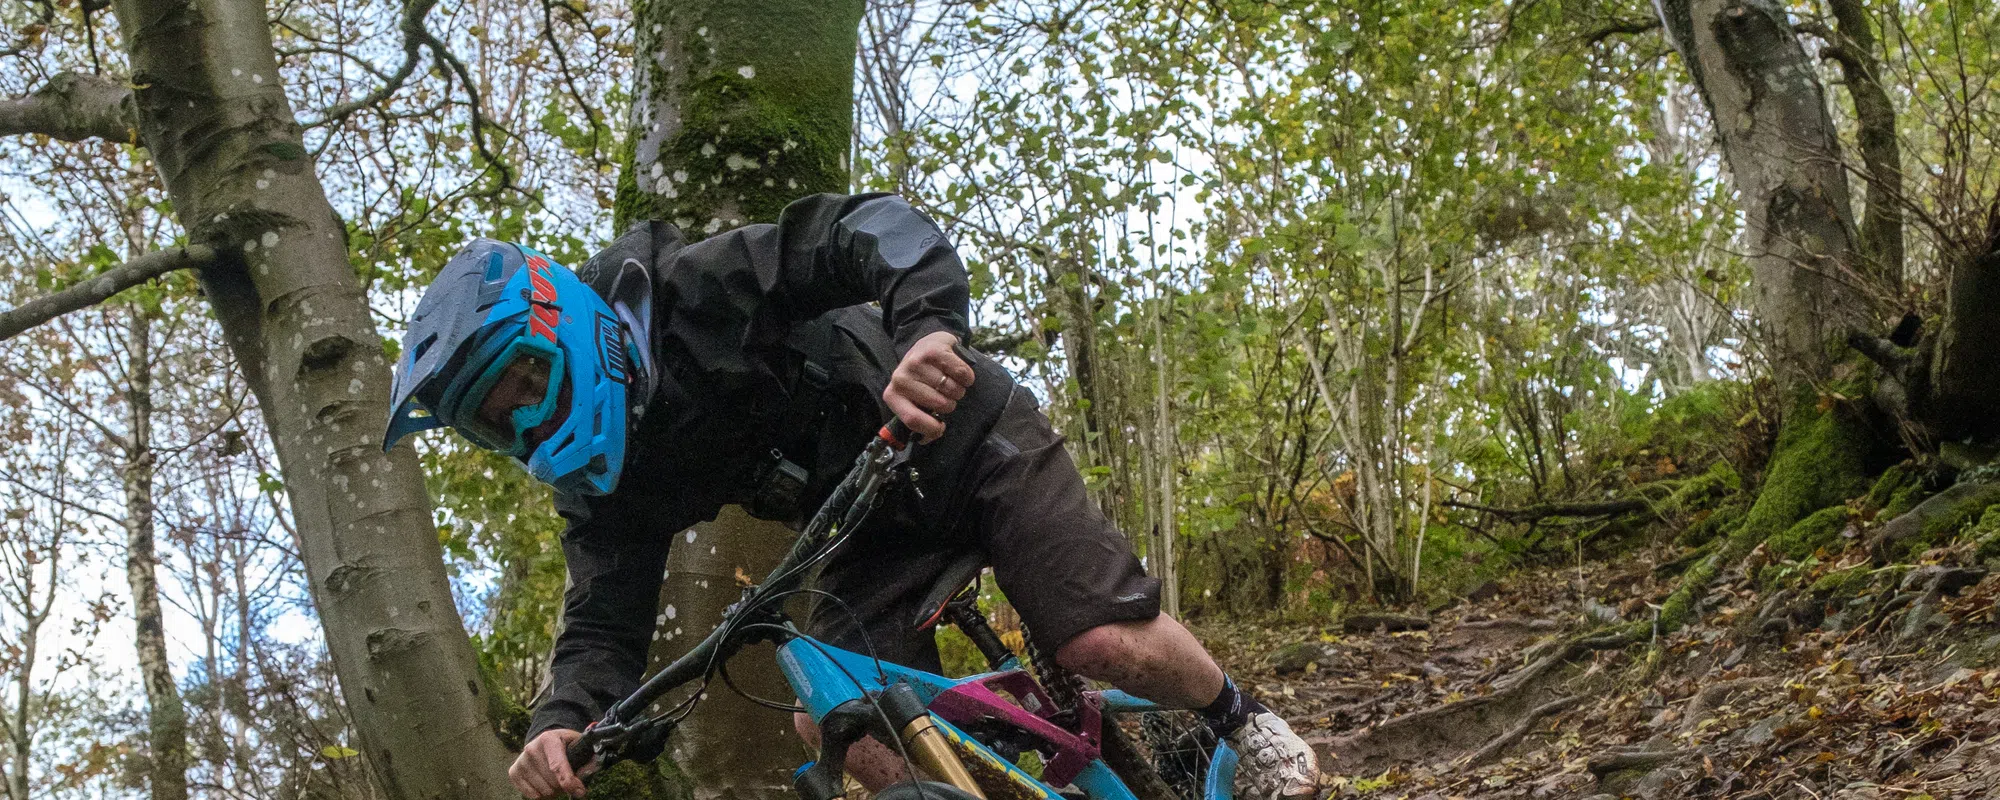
x,y
503,314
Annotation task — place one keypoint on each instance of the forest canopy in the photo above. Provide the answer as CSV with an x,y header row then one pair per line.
x,y
1339,304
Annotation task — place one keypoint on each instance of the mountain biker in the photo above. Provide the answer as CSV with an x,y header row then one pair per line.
x,y
662,380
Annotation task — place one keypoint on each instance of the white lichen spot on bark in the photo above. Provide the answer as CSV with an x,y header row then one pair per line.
x,y
680,176
256,78
712,226
737,163
708,150
690,536
672,612
747,71
270,239
250,246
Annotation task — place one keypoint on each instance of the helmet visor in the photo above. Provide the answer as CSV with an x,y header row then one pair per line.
x,y
515,393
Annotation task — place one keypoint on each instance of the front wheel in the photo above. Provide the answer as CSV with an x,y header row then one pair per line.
x,y
1164,756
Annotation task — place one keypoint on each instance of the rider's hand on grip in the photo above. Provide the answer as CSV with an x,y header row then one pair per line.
x,y
543,769
928,384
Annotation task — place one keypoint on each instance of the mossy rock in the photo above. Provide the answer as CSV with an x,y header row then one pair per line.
x,y
1817,530
1842,583
1892,482
1904,499
1986,532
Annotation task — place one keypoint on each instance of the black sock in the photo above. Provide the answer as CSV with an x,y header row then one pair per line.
x,y
1230,710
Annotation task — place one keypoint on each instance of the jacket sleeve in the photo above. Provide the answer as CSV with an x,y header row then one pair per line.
x,y
830,251
608,612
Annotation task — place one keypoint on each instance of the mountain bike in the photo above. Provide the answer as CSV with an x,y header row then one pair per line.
x,y
966,736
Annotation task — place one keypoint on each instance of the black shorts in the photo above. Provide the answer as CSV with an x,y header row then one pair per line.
x,y
1062,564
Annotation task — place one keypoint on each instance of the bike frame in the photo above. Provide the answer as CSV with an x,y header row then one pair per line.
x,y
823,677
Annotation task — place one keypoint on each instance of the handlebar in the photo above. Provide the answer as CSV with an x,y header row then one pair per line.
x,y
844,510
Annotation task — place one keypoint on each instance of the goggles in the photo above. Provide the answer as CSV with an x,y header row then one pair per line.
x,y
523,382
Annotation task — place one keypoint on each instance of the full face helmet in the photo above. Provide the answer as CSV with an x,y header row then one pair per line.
x,y
518,355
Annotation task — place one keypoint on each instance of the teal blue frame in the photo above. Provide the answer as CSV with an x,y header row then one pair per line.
x,y
823,676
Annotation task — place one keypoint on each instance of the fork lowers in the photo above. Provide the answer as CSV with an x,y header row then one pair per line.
x,y
925,742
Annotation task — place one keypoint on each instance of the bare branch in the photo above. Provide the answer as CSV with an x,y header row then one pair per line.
x,y
74,107
1626,27
414,38
101,287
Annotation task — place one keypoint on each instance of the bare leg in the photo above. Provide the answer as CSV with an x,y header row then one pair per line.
x,y
1156,659
870,762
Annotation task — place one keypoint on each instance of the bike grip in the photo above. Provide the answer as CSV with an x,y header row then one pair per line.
x,y
580,753
897,434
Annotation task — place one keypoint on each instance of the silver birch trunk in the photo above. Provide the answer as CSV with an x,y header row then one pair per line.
x,y
1784,157
166,715
217,122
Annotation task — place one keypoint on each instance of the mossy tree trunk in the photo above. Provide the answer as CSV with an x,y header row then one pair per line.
x,y
215,119
1808,271
741,107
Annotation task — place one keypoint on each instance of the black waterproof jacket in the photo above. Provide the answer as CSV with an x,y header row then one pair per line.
x,y
730,320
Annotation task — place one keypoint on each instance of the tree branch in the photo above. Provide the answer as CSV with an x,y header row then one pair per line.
x,y
101,287
73,107
1609,508
1625,26
415,36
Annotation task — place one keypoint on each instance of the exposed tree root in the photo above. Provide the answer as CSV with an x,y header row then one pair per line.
x,y
1514,734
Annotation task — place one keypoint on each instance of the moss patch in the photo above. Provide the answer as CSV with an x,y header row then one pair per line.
x,y
1987,533
1715,524
1808,535
1892,482
632,780
1818,463
734,118
1719,479
1903,499
1843,583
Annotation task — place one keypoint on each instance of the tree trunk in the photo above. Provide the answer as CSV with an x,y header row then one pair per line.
x,y
1963,402
219,127
1770,114
1881,155
700,583
166,717
740,108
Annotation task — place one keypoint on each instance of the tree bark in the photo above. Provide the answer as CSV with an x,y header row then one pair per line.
x,y
1881,155
222,133
740,108
1963,399
72,107
1770,114
166,716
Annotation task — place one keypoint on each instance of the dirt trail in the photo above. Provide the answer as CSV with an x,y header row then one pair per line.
x,y
1873,683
